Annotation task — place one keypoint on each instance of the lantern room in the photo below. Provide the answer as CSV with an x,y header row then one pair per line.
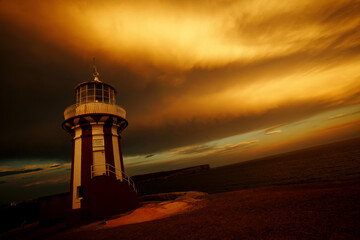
x,y
94,91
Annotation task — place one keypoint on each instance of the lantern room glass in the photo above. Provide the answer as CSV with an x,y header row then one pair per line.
x,y
95,92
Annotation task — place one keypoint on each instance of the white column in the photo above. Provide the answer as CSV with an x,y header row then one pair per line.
x,y
116,152
98,150
77,169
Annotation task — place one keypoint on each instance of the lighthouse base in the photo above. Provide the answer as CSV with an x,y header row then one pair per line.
x,y
108,196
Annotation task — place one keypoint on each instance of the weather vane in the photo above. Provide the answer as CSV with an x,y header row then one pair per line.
x,y
96,74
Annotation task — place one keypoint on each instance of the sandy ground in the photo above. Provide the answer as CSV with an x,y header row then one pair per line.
x,y
304,211
156,210
329,210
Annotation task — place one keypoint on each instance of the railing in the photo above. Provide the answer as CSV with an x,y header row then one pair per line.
x,y
97,107
107,170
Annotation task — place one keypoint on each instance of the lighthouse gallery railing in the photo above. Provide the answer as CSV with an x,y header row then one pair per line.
x,y
111,170
94,108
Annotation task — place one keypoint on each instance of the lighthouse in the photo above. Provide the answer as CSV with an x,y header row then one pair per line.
x,y
99,186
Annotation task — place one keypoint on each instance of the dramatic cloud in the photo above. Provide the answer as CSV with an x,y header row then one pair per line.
x,y
186,72
162,32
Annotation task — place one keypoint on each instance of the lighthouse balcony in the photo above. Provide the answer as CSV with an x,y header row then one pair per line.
x,y
109,170
94,108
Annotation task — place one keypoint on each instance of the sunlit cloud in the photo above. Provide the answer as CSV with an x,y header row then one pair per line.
x,y
206,149
273,132
256,97
195,149
163,32
337,116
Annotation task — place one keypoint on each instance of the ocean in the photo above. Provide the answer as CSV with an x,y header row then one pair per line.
x,y
338,161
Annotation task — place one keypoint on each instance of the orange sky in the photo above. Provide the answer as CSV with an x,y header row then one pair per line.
x,y
189,73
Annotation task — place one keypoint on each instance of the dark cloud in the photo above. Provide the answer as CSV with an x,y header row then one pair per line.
x,y
28,177
348,11
7,173
38,84
34,89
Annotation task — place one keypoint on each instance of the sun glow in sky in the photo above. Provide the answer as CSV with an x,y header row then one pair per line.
x,y
202,82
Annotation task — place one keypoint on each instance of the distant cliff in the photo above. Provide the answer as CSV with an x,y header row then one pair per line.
x,y
169,174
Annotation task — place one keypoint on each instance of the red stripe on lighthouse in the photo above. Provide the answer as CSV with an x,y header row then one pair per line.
x,y
86,162
120,152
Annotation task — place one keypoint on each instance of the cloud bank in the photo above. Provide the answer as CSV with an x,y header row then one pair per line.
x,y
186,72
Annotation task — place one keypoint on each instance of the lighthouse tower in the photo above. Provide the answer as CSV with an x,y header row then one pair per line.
x,y
99,185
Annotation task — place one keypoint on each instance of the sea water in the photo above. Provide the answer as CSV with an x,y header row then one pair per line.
x,y
332,162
